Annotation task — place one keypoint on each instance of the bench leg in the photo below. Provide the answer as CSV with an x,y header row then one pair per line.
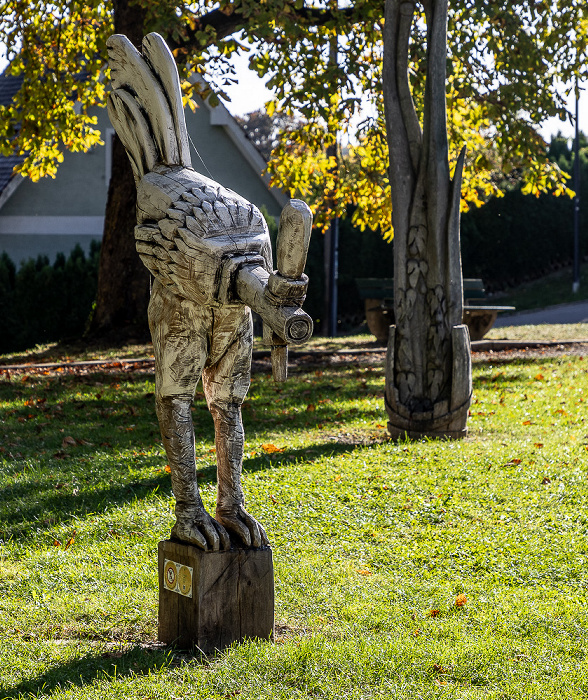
x,y
479,322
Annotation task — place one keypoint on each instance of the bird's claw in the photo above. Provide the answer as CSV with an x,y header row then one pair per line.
x,y
195,526
237,521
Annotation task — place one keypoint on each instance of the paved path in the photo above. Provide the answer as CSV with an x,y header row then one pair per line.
x,y
562,313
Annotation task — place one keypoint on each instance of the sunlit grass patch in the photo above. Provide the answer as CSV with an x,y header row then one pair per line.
x,y
374,542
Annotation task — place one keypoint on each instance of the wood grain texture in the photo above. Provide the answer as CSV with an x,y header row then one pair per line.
x,y
423,369
130,71
209,251
232,598
161,62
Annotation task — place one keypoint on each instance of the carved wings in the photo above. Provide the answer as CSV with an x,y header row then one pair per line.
x,y
188,225
185,249
145,106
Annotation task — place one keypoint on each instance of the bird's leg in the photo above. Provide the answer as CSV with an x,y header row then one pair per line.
x,y
230,508
193,523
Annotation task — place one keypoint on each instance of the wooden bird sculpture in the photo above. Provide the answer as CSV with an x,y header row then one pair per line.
x,y
209,252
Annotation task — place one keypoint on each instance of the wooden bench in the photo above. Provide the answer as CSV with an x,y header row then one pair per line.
x,y
378,296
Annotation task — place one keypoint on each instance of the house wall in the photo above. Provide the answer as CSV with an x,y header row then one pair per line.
x,y
53,215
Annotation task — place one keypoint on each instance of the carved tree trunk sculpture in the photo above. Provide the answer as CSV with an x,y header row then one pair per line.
x,y
428,382
209,252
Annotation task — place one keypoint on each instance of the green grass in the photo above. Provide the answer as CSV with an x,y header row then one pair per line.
x,y
555,288
64,352
546,331
370,539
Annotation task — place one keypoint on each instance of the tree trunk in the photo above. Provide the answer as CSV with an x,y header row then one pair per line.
x,y
120,314
428,382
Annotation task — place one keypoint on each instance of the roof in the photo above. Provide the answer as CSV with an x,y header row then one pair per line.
x,y
9,86
220,116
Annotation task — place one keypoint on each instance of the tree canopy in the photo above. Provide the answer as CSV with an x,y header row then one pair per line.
x,y
508,63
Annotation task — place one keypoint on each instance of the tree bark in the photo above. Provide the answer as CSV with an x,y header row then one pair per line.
x,y
428,384
120,314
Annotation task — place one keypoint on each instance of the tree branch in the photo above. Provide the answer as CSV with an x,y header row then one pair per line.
x,y
225,24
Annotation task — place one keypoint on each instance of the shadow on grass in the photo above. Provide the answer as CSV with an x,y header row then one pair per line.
x,y
117,410
76,444
50,508
37,504
89,669
499,379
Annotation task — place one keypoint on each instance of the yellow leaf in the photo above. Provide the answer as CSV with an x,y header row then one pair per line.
x,y
269,448
461,600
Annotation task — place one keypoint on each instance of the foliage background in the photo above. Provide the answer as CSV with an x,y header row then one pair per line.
x,y
42,302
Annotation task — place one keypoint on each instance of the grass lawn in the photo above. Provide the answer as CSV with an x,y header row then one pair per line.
x,y
414,570
555,288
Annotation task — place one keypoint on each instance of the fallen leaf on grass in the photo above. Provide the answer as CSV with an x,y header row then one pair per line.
x,y
273,500
461,600
69,440
364,572
269,448
434,613
527,422
516,460
539,377
546,480
439,669
71,540
311,407
538,444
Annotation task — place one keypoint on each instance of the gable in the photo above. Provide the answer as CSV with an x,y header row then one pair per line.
x,y
52,215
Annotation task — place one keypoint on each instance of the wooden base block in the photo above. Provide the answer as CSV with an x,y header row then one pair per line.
x,y
208,600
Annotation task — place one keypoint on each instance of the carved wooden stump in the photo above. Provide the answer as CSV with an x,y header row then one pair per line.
x,y
208,600
448,418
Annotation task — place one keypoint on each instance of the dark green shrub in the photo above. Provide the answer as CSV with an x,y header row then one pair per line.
x,y
361,254
517,238
42,302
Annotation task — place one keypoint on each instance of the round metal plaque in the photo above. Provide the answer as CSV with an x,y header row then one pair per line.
x,y
185,580
170,575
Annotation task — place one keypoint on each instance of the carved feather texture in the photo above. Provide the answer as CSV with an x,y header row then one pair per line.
x,y
157,54
153,86
187,224
202,228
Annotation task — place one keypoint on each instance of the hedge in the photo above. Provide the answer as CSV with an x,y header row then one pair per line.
x,y
41,302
